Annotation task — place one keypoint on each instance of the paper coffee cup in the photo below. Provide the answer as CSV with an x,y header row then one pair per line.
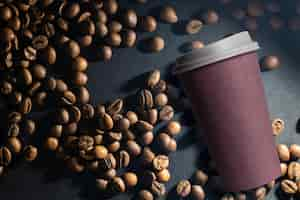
x,y
223,83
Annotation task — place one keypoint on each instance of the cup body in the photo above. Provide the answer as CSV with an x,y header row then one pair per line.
x,y
228,100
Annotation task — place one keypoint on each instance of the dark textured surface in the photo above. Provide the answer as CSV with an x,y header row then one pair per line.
x,y
118,78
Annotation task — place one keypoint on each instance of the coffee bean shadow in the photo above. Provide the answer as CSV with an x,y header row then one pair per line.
x,y
132,84
185,48
179,27
143,45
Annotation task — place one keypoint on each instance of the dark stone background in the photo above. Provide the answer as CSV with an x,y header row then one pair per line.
x,y
48,181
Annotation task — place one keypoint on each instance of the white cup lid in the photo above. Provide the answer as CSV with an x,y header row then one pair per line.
x,y
227,47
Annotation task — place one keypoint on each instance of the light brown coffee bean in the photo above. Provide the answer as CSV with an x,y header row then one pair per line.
x,y
145,195
283,168
51,143
197,192
101,184
115,107
197,44
147,138
133,148
173,128
200,177
166,113
295,150
288,186
79,64
294,171
132,117
130,18
100,151
161,99
106,122
145,99
148,23
277,126
193,26
283,152
130,179
147,156
26,105
114,39
129,38
152,116
168,14
13,130
163,176
110,7
183,188
160,162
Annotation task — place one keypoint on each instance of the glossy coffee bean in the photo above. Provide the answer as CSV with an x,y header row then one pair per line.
x,y
183,188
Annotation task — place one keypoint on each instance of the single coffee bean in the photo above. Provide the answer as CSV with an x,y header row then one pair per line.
x,y
101,29
172,145
82,94
30,153
160,87
147,156
49,55
196,44
277,126
14,144
110,174
5,156
132,117
86,143
130,18
128,38
75,165
164,141
288,186
25,76
115,136
72,48
79,64
161,99
129,135
114,146
156,44
210,17
39,71
100,151
133,148
166,113
13,130
114,26
101,184
110,6
145,99
153,78
105,52
80,78
158,188
7,34
25,105
295,150
63,116
130,179
144,126
71,10
270,62
123,159
115,107
123,124
160,162
163,175
183,188
200,178
14,117
62,24
85,40
145,195
283,152
105,122
51,143
168,14
147,138
284,169
60,85
5,13
68,98
118,185
101,16
30,53
173,128
149,24
193,26
6,88
227,196
260,193
114,39
294,171
87,111
56,130
152,116
98,139
40,42
197,192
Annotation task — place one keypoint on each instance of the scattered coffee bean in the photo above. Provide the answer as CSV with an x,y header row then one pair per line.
x,y
270,62
147,156
14,144
295,150
183,188
130,18
168,14
277,126
294,171
158,188
166,113
123,159
210,17
160,162
30,153
101,184
100,151
284,169
133,148
193,26
5,156
163,175
118,184
149,24
156,44
173,128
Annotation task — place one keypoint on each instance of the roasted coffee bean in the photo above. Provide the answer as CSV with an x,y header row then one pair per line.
x,y
25,105
168,14
63,116
145,195
101,29
193,26
183,188
110,174
133,148
85,40
167,143
161,86
156,44
30,53
118,185
294,171
59,85
144,126
86,143
33,88
227,196
130,18
260,193
114,39
295,150
56,130
62,24
6,13
105,122
110,7
149,24
200,178
25,76
68,98
40,98
115,136
87,111
114,26
147,156
7,34
128,135
130,179
101,184
39,71
6,88
197,192
123,124
132,117
270,62
79,78
145,99
152,116
40,42
210,17
158,188
105,52
82,94
166,113
16,97
147,138
161,99
100,151
51,143
13,130
75,165
110,161
1,171
14,144
163,175
123,159
30,153
14,117
277,126
128,38
79,64
173,128
283,152
160,162
49,55
98,139
72,48
288,186
153,78
114,146
5,156
115,107
71,10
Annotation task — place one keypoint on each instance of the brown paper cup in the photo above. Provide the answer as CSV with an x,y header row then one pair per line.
x,y
224,85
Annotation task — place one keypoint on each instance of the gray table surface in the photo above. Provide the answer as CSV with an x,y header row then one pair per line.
x,y
117,78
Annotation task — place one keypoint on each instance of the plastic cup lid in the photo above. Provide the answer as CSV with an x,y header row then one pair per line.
x,y
227,47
